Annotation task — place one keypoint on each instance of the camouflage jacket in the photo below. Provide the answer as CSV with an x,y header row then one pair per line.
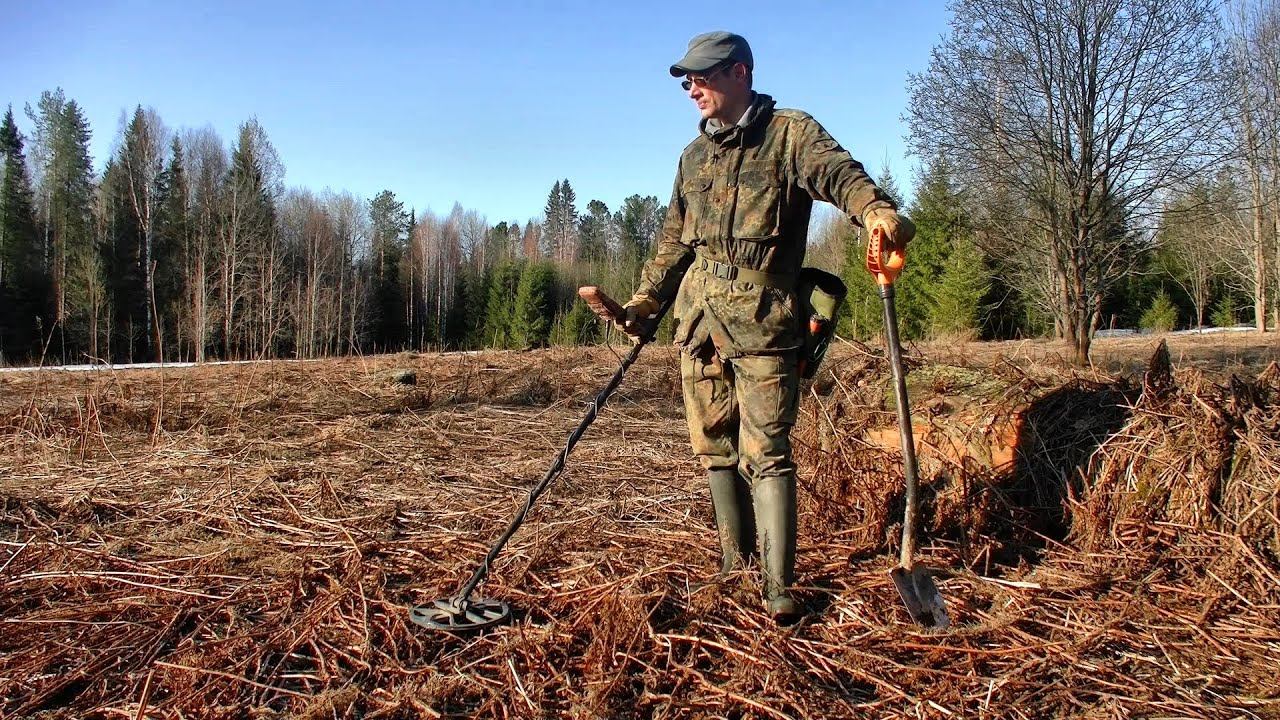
x,y
742,199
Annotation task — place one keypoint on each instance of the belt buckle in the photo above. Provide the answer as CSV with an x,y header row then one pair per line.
x,y
722,271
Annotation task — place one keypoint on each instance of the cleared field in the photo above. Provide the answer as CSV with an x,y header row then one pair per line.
x,y
244,541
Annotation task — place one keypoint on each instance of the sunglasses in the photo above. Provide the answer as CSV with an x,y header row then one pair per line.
x,y
702,80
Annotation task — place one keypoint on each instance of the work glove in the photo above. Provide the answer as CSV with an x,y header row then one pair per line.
x,y
636,313
898,230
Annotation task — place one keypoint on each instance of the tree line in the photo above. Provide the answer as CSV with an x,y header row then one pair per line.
x,y
182,248
1083,164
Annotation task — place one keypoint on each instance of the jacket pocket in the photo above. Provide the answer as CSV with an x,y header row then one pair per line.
x,y
758,210
697,194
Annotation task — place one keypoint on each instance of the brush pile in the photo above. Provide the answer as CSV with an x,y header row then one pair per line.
x,y
245,541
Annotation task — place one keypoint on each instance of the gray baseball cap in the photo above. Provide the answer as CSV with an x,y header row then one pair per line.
x,y
710,49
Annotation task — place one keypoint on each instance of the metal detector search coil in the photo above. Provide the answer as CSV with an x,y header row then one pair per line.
x,y
461,615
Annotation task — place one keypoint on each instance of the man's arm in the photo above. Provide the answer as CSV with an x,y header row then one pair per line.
x,y
829,173
660,278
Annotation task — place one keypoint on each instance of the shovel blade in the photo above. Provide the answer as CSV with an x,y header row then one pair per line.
x,y
921,596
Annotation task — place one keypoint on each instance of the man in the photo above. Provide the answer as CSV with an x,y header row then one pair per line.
x,y
731,248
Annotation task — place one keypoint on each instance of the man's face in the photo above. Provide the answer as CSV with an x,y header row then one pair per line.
x,y
719,91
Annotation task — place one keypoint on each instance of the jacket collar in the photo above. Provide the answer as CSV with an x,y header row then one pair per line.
x,y
758,111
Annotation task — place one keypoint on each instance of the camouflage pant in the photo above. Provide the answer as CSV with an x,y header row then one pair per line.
x,y
740,411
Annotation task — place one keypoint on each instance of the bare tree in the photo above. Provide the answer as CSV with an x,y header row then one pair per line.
x,y
350,227
142,156
249,249
1270,52
1069,117
531,240
828,234
474,235
1246,85
437,254
1194,230
206,167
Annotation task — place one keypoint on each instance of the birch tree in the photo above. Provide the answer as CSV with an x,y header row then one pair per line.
x,y
141,160
208,165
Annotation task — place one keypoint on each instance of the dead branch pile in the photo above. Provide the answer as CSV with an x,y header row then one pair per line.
x,y
1000,447
244,542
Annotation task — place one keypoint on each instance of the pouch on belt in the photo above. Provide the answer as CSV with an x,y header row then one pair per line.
x,y
820,294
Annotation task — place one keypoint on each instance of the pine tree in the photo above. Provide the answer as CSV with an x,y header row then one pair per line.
x,y
862,316
560,229
500,307
247,253
385,310
65,200
500,245
924,267
1161,315
958,295
593,232
1224,312
638,221
174,250
937,288
552,235
580,325
535,307
23,292
476,310
140,165
119,254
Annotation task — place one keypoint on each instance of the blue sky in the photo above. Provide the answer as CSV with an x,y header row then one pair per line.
x,y
483,103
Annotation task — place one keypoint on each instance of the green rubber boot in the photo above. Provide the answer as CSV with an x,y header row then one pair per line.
x,y
731,498
775,509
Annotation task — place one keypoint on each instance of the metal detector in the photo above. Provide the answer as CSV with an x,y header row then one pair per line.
x,y
463,614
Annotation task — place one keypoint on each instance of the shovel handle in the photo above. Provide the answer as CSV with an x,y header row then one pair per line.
x,y
884,260
909,469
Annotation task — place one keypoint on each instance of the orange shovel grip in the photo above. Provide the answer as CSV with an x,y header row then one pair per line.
x,y
884,261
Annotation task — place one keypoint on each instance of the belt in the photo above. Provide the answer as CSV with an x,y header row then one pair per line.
x,y
725,271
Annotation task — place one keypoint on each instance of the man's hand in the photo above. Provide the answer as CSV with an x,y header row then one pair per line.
x,y
898,230
636,313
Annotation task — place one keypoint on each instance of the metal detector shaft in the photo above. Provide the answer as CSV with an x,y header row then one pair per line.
x,y
558,466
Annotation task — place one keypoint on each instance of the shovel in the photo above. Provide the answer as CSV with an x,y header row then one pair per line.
x,y
914,583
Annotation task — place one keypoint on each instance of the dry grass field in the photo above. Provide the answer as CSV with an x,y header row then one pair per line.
x,y
245,541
